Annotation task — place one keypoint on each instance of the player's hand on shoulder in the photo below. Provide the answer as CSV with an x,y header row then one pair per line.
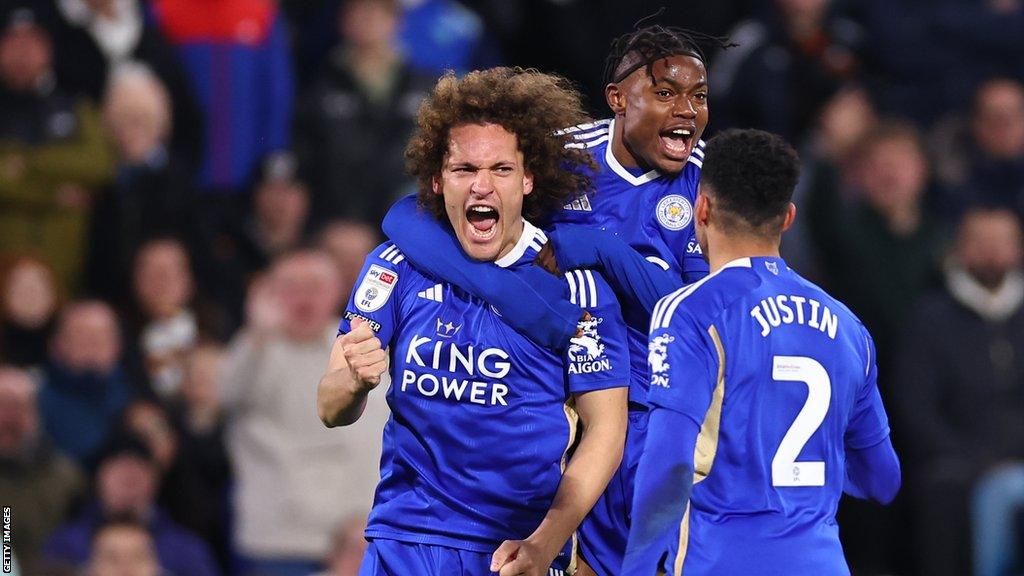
x,y
364,354
522,557
546,259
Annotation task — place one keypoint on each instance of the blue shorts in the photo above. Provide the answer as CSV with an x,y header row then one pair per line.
x,y
604,531
394,558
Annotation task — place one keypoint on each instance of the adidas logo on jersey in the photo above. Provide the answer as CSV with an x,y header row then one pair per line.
x,y
433,293
581,204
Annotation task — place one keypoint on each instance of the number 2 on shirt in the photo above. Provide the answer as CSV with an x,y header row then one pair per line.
x,y
786,471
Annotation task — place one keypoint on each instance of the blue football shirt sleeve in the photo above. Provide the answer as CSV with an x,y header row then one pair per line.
x,y
683,367
598,358
664,481
377,294
534,305
637,280
869,423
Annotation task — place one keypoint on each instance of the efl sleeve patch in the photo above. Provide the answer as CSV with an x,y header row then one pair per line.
x,y
375,289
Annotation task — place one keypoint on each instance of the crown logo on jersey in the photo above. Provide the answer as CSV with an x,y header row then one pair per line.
x,y
772,267
447,329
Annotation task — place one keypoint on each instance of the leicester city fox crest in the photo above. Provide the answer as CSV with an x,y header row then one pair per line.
x,y
586,352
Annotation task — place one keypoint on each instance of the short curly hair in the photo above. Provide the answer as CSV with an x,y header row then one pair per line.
x,y
533,106
752,174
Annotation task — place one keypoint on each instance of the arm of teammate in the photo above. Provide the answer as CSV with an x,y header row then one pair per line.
x,y
356,364
631,275
603,415
684,375
872,468
664,480
530,300
873,473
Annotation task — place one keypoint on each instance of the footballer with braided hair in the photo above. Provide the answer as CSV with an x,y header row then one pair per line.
x,y
649,156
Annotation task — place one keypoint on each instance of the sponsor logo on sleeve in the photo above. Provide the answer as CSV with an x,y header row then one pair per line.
x,y
375,289
657,356
586,351
674,212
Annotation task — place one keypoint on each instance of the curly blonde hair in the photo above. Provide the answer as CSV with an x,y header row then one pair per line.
x,y
531,105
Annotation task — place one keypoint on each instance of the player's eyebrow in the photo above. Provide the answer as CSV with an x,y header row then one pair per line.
x,y
703,83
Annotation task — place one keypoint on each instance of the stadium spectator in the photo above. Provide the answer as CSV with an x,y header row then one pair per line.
x,y
786,65
122,546
235,53
29,300
94,38
348,242
51,148
881,245
290,471
170,316
960,395
358,115
442,35
201,416
347,548
200,420
275,225
126,483
183,492
154,191
36,481
85,386
990,168
926,58
844,122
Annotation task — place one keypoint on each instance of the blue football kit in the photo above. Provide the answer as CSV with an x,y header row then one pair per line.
x,y
649,211
771,383
482,417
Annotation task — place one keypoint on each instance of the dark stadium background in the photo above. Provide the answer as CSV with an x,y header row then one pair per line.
x,y
157,157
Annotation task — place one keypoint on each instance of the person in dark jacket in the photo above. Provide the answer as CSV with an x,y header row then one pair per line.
x,y
358,116
960,384
127,480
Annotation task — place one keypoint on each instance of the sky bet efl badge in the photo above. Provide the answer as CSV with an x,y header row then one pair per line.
x,y
375,289
674,212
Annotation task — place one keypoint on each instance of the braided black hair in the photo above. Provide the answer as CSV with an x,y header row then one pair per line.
x,y
652,43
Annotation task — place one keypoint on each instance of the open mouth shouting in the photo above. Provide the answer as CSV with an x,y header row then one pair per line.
x,y
483,222
677,142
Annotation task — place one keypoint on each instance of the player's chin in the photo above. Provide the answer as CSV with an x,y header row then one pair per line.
x,y
670,164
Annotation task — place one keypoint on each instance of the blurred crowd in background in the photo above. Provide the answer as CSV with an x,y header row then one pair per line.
x,y
188,189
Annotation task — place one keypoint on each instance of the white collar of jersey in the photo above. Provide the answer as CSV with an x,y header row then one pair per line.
x,y
529,233
609,158
737,263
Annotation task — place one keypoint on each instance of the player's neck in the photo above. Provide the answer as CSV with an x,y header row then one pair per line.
x,y
724,249
620,151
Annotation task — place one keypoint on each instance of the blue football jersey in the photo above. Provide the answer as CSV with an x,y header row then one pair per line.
x,y
652,212
482,418
782,378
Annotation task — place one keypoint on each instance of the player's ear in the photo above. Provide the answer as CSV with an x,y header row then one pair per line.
x,y
616,98
435,183
702,209
527,183
790,216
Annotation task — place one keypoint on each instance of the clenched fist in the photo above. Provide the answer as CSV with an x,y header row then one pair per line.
x,y
365,357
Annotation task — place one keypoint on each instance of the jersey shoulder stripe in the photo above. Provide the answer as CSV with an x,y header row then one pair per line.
x,y
589,144
392,254
585,127
582,288
667,306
